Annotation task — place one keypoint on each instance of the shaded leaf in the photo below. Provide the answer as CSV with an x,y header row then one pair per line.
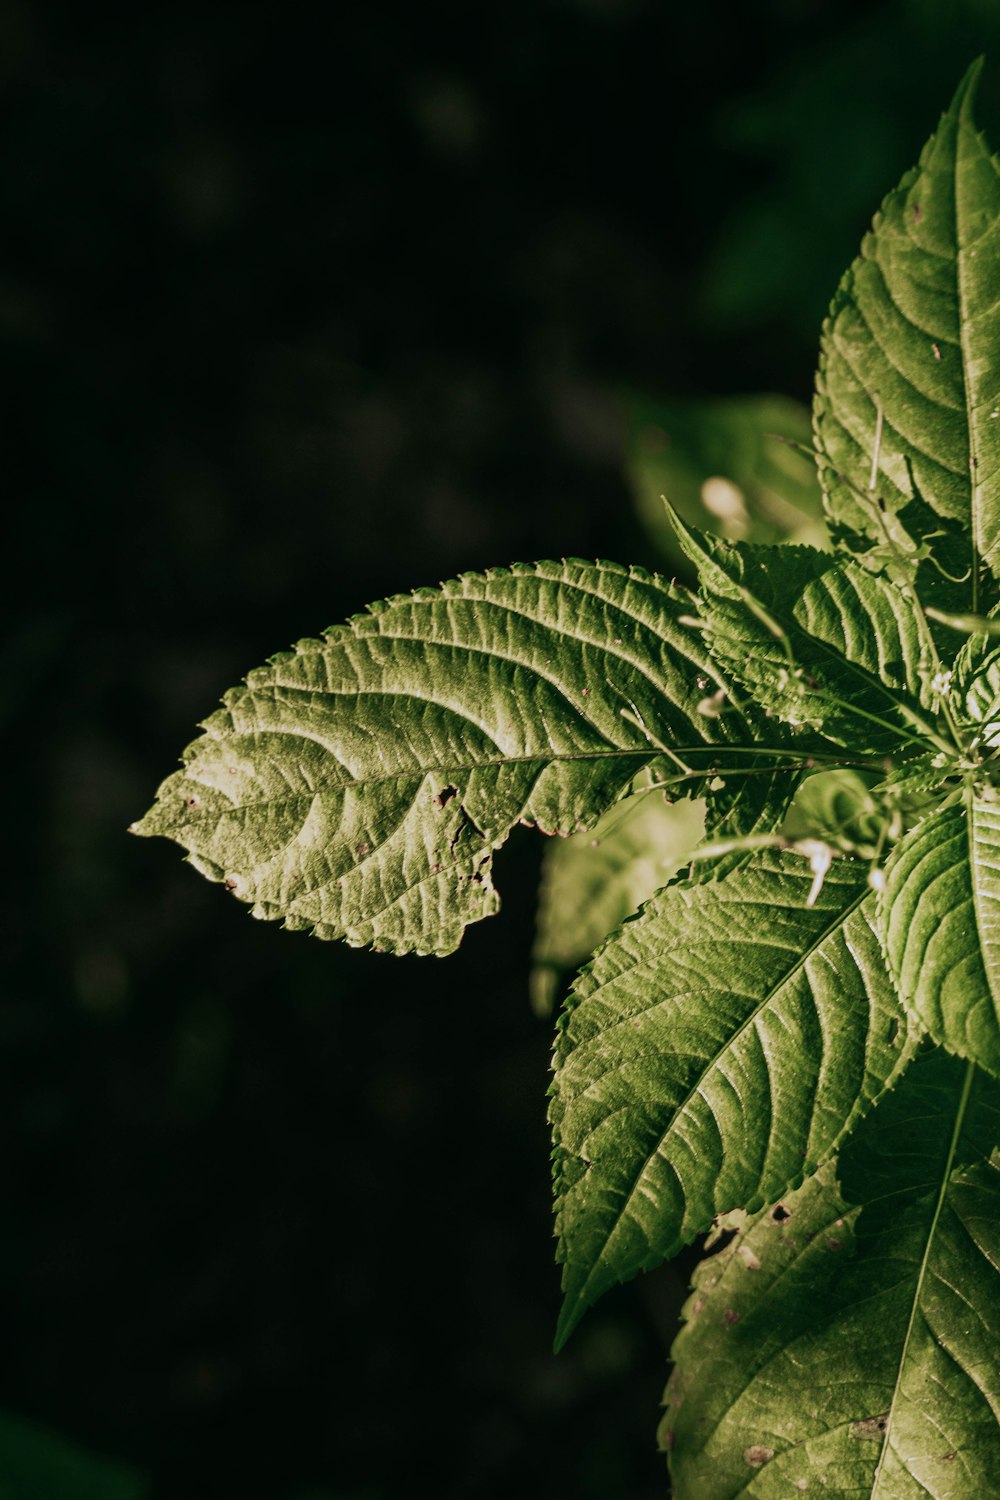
x,y
716,1049
593,881
723,465
834,805
846,1342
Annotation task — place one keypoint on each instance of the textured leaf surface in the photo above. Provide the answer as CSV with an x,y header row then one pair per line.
x,y
723,465
718,1047
976,688
914,332
593,881
847,1345
816,640
941,920
358,785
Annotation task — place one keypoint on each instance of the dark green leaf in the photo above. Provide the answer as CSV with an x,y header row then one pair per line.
x,y
845,1343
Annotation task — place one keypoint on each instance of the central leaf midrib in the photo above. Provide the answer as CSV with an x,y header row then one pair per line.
x,y
975,519
417,773
949,1163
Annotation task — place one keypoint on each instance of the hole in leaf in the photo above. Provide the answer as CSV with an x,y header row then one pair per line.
x,y
720,1239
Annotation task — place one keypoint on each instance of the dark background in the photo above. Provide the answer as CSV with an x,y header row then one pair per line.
x,y
304,305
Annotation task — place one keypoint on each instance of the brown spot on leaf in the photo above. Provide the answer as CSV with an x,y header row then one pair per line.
x,y
730,1317
757,1455
870,1429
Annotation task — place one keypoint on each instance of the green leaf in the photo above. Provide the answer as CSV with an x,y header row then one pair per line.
x,y
716,1050
845,1344
834,806
36,1464
358,785
817,640
735,465
914,335
940,915
593,881
976,688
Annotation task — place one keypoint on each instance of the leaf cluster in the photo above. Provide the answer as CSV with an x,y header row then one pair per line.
x,y
797,1039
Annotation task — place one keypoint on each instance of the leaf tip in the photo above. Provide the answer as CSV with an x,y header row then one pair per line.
x,y
141,826
965,94
569,1316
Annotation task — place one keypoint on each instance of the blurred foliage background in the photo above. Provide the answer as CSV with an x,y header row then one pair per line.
x,y
302,305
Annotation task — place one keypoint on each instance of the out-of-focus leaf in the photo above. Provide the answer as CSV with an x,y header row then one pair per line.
x,y
593,881
836,806
723,466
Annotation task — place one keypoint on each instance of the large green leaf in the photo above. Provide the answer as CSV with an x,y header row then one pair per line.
x,y
736,465
593,881
910,363
940,913
845,1344
358,785
817,640
718,1048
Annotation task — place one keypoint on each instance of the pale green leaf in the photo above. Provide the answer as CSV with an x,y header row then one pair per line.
x,y
817,640
835,806
846,1343
716,1050
736,465
914,335
593,881
358,785
940,916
